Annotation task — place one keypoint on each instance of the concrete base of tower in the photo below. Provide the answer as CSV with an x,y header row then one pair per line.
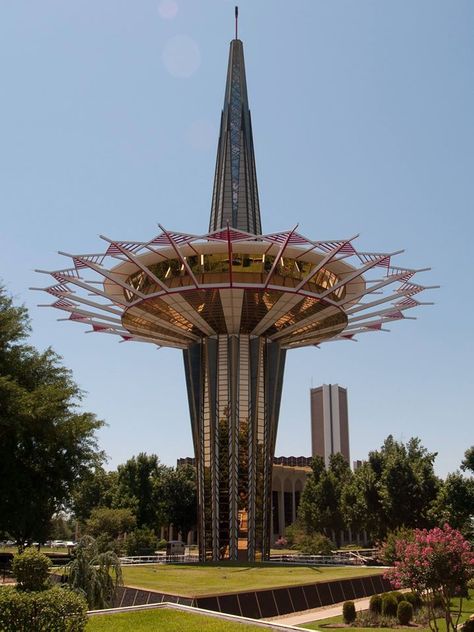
x,y
234,387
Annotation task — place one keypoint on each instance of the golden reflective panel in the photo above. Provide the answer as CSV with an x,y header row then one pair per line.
x,y
140,326
246,268
308,306
255,306
332,325
207,303
162,310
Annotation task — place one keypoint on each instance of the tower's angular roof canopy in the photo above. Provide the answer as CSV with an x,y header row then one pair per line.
x,y
235,194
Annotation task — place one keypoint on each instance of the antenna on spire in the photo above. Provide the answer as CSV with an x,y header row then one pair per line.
x,y
236,22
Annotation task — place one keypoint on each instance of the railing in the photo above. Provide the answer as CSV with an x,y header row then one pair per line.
x,y
337,558
158,559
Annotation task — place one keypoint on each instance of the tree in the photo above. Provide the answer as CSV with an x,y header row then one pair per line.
x,y
397,475
468,462
61,527
141,542
177,492
437,564
321,500
97,488
407,480
96,575
361,503
110,522
47,444
455,503
137,482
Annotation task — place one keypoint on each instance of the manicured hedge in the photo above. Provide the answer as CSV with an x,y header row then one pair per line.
x,y
404,612
348,612
375,604
389,605
31,570
54,610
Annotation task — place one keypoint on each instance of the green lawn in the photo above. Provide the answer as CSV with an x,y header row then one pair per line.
x,y
163,619
197,580
60,551
467,610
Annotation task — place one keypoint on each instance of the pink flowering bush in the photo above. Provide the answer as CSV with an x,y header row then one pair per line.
x,y
437,564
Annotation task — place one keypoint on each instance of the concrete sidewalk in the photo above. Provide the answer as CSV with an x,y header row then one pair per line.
x,y
318,614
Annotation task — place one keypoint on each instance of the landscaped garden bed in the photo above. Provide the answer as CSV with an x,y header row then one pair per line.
x,y
374,620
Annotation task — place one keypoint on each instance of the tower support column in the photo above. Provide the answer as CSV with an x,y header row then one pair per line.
x,y
234,387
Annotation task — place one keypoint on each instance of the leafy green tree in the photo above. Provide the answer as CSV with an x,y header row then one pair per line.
x,y
407,480
455,503
141,542
47,443
468,462
137,482
178,494
62,527
97,488
96,575
110,522
361,503
397,475
321,500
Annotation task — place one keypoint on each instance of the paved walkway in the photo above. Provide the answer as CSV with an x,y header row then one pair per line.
x,y
319,613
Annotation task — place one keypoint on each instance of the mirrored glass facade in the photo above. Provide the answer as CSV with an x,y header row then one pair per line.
x,y
234,388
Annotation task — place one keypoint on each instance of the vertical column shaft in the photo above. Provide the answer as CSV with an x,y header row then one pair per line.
x,y
234,390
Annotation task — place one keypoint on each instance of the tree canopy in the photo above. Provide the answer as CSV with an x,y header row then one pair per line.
x,y
48,443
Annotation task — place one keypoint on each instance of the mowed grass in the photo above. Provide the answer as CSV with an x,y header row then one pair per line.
x,y
198,579
163,619
325,624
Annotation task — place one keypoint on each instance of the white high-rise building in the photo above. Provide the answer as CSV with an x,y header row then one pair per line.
x,y
329,421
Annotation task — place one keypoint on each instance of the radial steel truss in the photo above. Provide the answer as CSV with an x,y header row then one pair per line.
x,y
100,290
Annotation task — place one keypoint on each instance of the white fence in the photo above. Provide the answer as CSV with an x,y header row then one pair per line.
x,y
158,559
338,558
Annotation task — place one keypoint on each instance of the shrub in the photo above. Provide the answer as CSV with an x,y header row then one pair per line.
x,y
348,612
141,542
389,605
54,610
375,604
315,544
404,612
105,543
414,599
97,575
398,595
161,545
31,570
388,550
368,619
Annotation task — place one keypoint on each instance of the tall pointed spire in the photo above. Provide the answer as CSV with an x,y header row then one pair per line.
x,y
235,194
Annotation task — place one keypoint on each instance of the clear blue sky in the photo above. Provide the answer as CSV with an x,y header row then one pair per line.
x,y
363,123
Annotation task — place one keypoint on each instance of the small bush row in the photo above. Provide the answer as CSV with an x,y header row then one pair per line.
x,y
383,607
